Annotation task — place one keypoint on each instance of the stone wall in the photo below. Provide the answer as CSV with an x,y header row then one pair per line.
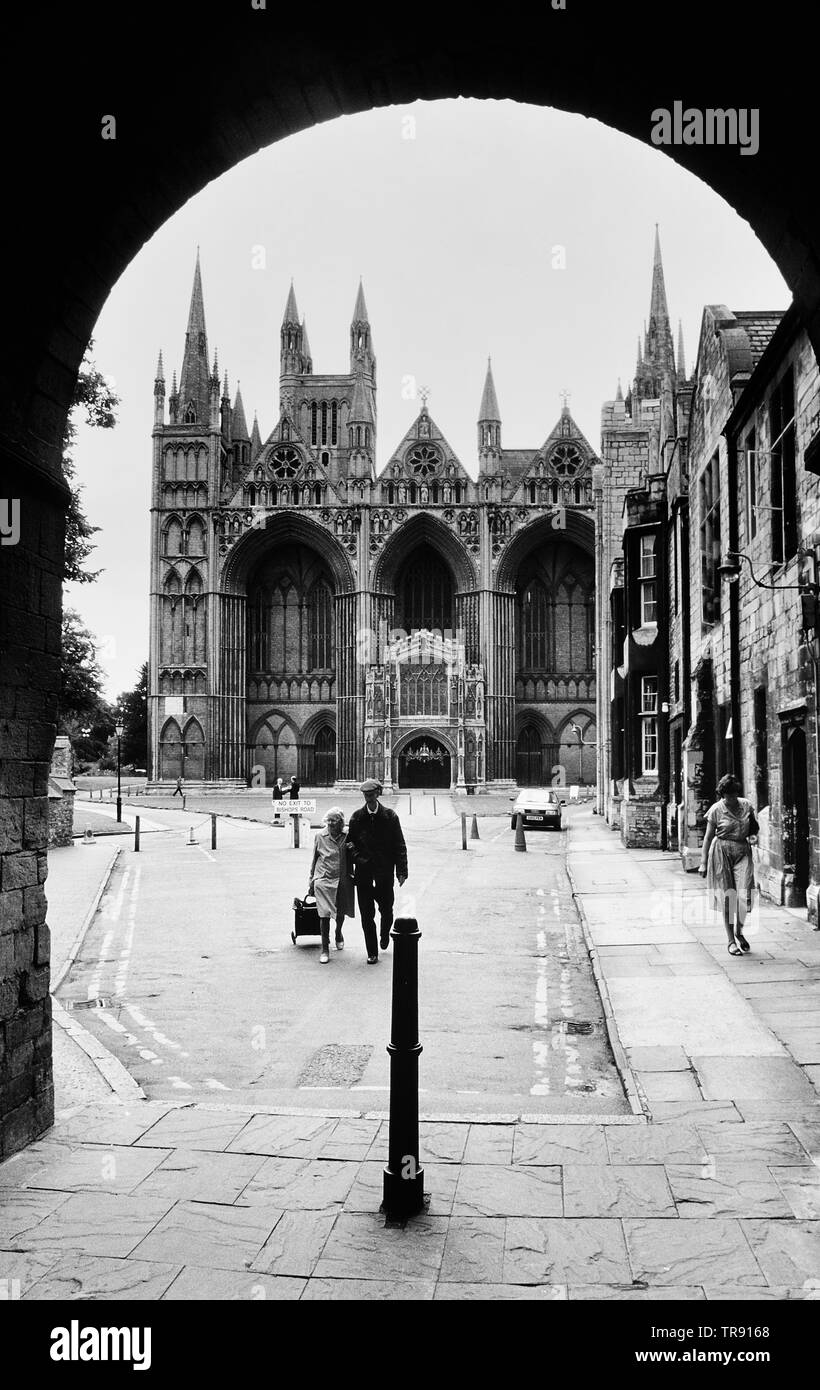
x,y
31,582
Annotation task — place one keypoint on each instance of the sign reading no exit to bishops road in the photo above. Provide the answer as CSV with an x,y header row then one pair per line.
x,y
305,807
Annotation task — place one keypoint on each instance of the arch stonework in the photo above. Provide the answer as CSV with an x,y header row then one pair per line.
x,y
294,74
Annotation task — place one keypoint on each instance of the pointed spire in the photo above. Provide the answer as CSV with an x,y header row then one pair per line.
x,y
239,427
489,402
360,309
619,395
226,394
256,438
658,308
291,314
306,352
193,382
174,382
160,376
681,358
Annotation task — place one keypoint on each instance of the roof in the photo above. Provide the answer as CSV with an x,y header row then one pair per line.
x,y
759,325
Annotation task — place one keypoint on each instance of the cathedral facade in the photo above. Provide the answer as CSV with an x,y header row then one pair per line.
x,y
311,615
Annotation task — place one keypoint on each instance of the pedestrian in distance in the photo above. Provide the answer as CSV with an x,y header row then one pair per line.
x,y
294,789
276,797
726,860
377,845
331,883
178,789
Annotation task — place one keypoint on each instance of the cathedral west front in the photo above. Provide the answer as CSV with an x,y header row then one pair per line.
x,y
317,616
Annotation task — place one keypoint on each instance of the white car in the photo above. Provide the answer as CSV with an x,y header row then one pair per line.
x,y
540,808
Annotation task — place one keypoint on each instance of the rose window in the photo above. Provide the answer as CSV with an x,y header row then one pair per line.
x,y
566,461
284,463
424,461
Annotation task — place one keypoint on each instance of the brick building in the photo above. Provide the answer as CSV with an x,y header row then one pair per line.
x,y
311,615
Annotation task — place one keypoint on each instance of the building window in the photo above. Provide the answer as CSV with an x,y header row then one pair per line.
x,y
751,485
709,493
532,651
649,725
782,478
314,427
334,423
648,581
324,422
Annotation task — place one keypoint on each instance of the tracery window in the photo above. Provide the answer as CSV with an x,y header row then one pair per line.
x,y
424,460
284,462
566,460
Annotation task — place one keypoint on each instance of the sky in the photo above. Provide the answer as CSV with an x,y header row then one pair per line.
x,y
479,228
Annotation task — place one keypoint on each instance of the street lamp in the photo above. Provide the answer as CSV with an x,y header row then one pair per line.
x,y
118,730
576,729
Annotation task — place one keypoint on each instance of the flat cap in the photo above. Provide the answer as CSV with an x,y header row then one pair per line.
x,y
371,785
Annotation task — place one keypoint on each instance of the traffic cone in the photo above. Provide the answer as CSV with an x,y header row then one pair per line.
x,y
474,835
88,839
190,840
520,840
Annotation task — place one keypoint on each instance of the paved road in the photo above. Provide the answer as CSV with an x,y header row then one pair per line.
x,y
203,992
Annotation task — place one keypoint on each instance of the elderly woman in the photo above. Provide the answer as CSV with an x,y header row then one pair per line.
x,y
330,879
726,860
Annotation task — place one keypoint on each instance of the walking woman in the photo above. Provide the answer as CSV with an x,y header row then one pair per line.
x,y
330,879
726,860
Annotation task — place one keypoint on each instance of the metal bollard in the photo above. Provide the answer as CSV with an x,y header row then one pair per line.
x,y
136,834
213,832
403,1192
183,801
463,830
520,840
410,805
295,820
434,805
474,835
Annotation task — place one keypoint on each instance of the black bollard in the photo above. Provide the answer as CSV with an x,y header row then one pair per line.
x,y
520,837
295,820
463,830
474,835
136,834
213,832
403,1193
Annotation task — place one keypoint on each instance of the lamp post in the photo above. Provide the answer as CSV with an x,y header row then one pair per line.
x,y
576,728
118,730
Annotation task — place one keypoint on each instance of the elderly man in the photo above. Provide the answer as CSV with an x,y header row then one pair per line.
x,y
376,843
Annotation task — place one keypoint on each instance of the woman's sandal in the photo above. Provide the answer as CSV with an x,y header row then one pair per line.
x,y
734,949
742,942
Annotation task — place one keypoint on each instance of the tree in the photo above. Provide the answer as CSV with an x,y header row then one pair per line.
x,y
92,394
133,706
81,704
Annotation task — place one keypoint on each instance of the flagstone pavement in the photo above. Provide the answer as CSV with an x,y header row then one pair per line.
x,y
711,1190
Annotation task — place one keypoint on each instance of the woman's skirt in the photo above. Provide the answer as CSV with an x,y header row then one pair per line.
x,y
325,892
730,877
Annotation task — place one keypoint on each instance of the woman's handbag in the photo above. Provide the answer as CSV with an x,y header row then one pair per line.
x,y
305,918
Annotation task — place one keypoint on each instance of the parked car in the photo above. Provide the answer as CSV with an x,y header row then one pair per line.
x,y
540,808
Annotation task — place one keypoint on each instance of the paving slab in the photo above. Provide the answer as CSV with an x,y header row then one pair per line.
x,y
662,1086
557,1144
440,1182
286,1136
91,1277
628,1293
362,1246
23,1211
193,1128
726,1188
768,1142
635,1189
568,1251
489,1144
729,1077
105,1168
228,1285
474,1251
704,1251
788,1252
94,1223
200,1175
801,1189
500,1293
209,1234
487,1190
301,1184
658,1059
369,1290
295,1243
672,1143
703,1015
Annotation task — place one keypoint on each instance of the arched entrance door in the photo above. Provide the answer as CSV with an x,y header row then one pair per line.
x,y
795,811
424,762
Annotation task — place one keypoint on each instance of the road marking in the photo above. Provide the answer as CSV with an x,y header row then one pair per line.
x,y
215,1085
112,1023
125,954
180,1085
207,855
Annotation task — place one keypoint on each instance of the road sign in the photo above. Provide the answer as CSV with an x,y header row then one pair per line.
x,y
304,807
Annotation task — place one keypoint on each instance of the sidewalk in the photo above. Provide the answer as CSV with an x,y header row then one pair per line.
x,y
717,1195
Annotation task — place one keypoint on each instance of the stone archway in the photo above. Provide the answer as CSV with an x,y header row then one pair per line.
x,y
114,193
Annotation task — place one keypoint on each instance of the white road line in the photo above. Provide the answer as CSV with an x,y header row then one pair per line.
x,y
215,1085
207,855
180,1085
125,954
112,1023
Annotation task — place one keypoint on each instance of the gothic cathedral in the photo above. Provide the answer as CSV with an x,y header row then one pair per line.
x,y
311,615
